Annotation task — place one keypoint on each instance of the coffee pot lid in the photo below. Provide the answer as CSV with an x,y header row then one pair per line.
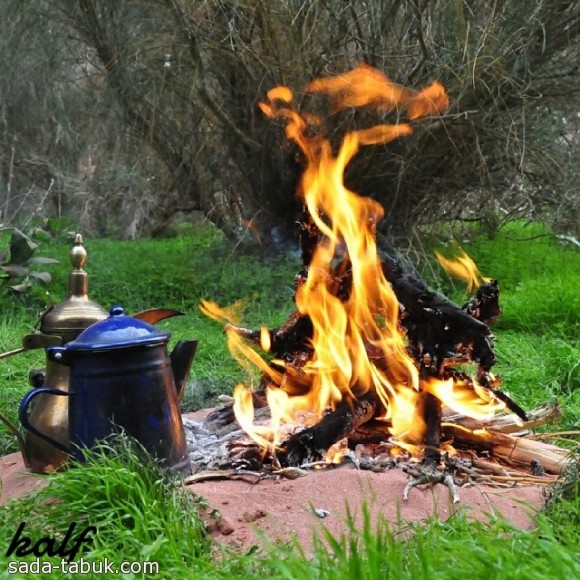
x,y
118,331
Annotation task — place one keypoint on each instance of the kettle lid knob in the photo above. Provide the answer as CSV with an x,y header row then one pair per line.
x,y
117,311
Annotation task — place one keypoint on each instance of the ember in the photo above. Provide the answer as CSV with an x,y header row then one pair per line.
x,y
369,347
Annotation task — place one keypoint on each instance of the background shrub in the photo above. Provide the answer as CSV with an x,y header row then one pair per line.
x,y
120,115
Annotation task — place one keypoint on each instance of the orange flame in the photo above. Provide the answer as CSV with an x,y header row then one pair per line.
x,y
464,268
220,313
366,86
347,330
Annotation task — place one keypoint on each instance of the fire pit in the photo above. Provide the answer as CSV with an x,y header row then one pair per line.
x,y
372,368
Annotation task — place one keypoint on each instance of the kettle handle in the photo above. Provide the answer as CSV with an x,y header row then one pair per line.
x,y
23,415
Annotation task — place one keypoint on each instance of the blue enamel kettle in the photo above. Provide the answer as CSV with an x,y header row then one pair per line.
x,y
122,379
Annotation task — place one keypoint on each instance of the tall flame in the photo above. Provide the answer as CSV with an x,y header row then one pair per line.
x,y
357,342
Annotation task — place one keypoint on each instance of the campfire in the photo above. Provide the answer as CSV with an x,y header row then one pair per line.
x,y
371,367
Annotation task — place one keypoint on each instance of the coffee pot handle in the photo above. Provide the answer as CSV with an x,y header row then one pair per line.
x,y
23,415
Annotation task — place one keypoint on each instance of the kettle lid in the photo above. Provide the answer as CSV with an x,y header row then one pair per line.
x,y
118,331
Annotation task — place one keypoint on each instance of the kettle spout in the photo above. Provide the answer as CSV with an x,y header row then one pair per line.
x,y
181,359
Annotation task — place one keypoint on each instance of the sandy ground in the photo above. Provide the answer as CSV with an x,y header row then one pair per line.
x,y
282,509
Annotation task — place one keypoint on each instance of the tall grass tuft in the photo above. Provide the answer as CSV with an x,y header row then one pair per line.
x,y
140,513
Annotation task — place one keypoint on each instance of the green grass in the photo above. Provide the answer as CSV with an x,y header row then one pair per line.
x,y
538,333
457,548
538,348
140,514
177,273
536,366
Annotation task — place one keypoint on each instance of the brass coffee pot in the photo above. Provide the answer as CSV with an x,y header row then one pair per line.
x,y
59,325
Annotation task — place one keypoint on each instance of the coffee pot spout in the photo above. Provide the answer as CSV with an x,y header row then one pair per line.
x,y
181,360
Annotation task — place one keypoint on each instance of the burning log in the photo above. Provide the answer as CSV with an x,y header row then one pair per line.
x,y
481,454
285,342
374,431
313,442
511,424
431,412
437,329
439,334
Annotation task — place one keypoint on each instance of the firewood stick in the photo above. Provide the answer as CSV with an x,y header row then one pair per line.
x,y
252,335
516,450
522,479
489,467
541,415
557,435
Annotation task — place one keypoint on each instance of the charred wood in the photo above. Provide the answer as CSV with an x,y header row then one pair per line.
x,y
484,306
430,408
222,420
436,328
309,236
511,404
286,342
373,431
370,439
313,442
491,384
440,335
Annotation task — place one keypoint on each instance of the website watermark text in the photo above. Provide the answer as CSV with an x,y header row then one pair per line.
x,y
82,566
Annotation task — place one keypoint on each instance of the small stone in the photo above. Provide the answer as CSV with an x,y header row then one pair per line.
x,y
224,527
321,513
537,468
254,515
